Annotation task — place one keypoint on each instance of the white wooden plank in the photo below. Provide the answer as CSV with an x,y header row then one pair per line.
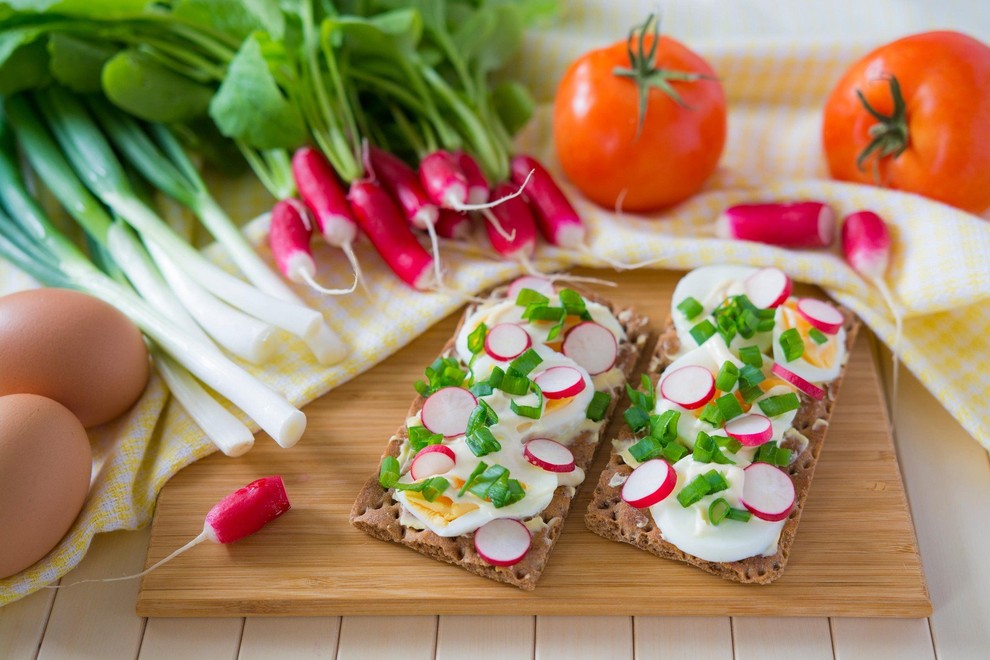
x,y
289,638
584,638
690,638
781,638
947,478
97,620
482,637
904,639
408,637
165,639
22,624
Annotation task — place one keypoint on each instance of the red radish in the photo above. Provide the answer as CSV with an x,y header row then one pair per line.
x,y
555,216
453,224
443,180
402,182
478,192
820,314
648,484
503,541
432,460
549,455
592,346
689,387
447,410
323,195
511,228
538,284
789,224
811,390
768,492
382,222
768,287
288,237
506,341
560,382
751,430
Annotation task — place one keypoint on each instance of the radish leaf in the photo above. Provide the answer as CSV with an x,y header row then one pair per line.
x,y
134,81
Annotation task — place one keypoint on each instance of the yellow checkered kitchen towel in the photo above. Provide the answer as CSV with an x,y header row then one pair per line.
x,y
940,270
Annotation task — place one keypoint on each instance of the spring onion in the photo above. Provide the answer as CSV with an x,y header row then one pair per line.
x,y
690,307
739,515
711,414
598,405
770,453
529,297
728,406
476,340
388,475
817,336
663,427
525,363
420,437
646,449
751,355
674,452
750,376
791,344
718,510
727,376
532,412
637,418
703,331
780,404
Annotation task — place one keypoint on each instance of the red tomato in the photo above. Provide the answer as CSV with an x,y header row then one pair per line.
x,y
600,144
937,141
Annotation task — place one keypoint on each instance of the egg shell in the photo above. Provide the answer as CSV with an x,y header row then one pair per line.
x,y
45,466
73,348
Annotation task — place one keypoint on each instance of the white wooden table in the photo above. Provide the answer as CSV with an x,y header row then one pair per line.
x,y
946,473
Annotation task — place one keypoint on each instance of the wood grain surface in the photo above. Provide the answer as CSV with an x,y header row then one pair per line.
x,y
855,553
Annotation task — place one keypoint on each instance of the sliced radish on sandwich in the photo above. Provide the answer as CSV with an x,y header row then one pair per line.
x,y
549,455
768,287
432,460
447,410
690,387
506,341
560,382
810,389
822,315
752,430
767,492
538,284
648,484
592,346
502,542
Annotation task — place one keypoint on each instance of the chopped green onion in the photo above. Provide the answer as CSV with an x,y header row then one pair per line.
x,y
483,415
493,483
712,415
476,340
751,355
525,363
544,313
598,406
690,307
693,491
646,449
726,327
663,427
750,376
674,452
766,314
780,404
444,372
729,444
574,304
728,406
512,384
529,297
740,515
505,491
817,336
704,448
747,323
792,344
770,453
532,412
727,376
496,378
716,482
766,325
751,394
388,475
484,388
646,397
482,441
718,510
481,467
703,332
434,488
637,418
482,482
420,437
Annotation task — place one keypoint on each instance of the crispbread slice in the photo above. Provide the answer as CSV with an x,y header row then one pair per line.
x,y
610,517
377,513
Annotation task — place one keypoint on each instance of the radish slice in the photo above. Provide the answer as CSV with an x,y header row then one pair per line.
x,y
690,387
506,341
549,455
560,382
790,224
447,410
751,430
592,346
431,460
811,390
820,314
768,287
649,483
502,542
767,492
247,510
537,284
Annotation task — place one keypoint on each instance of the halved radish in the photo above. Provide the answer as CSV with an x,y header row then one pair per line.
x,y
560,382
768,287
752,430
502,542
549,455
810,389
506,341
649,483
822,315
690,387
447,410
592,346
538,284
767,492
431,460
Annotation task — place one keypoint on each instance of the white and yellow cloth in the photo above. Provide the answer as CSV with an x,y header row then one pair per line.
x,y
776,79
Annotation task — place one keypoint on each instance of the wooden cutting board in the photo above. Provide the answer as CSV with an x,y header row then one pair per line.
x,y
855,552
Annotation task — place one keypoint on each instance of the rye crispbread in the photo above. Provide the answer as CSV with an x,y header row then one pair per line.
x,y
377,513
610,517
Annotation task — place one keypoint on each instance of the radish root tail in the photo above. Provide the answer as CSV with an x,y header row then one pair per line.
x,y
490,217
308,279
348,249
530,269
488,205
435,249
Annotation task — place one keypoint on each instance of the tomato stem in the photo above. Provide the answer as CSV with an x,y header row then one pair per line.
x,y
646,74
890,133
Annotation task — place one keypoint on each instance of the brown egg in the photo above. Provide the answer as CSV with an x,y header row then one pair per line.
x,y
45,465
73,348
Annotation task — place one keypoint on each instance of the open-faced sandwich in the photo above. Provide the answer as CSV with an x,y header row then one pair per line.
x,y
721,441
484,469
